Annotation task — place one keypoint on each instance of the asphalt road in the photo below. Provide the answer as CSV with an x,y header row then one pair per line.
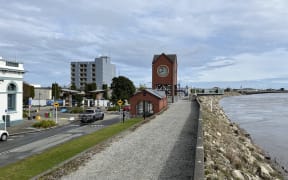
x,y
22,146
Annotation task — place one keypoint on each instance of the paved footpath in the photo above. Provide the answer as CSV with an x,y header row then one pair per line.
x,y
164,148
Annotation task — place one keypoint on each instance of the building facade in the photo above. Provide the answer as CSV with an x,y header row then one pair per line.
x,y
41,96
100,71
11,91
147,102
44,93
164,75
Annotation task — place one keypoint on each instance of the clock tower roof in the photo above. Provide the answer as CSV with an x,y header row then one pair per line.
x,y
171,57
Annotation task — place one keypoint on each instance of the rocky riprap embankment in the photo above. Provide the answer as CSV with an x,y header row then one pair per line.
x,y
229,151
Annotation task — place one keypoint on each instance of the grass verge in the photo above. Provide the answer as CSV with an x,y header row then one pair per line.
x,y
36,164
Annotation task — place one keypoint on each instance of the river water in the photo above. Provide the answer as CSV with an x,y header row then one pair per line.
x,y
265,118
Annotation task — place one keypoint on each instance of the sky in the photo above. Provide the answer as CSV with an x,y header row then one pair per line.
x,y
224,43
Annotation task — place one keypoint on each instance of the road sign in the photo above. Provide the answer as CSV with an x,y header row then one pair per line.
x,y
119,102
56,104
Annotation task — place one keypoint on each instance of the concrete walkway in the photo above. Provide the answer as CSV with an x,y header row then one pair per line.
x,y
161,149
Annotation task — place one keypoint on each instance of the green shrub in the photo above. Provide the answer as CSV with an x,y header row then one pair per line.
x,y
115,108
77,110
25,114
44,124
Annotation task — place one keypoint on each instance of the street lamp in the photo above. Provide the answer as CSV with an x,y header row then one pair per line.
x,y
39,99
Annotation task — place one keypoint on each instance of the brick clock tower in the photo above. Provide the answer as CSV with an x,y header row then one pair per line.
x,y
164,74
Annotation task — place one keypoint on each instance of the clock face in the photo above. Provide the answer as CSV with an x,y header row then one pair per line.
x,y
162,71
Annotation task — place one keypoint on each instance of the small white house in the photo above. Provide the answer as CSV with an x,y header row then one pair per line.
x,y
11,91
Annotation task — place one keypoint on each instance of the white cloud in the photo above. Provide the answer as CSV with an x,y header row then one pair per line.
x,y
248,67
6,44
216,40
25,7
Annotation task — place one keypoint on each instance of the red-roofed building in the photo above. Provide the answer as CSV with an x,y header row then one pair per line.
x,y
148,101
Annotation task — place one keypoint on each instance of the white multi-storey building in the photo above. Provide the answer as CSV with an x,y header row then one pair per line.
x,y
100,71
11,91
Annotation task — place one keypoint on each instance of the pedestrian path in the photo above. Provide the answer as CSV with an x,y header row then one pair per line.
x,y
164,148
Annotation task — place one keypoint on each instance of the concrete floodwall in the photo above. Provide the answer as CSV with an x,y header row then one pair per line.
x,y
199,154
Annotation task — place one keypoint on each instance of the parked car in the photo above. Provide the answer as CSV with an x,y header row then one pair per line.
x,y
64,109
3,135
91,115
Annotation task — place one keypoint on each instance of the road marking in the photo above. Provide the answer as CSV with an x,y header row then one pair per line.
x,y
17,136
74,125
96,125
5,152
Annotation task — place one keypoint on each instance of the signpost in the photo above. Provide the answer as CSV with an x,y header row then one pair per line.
x,y
56,105
4,118
120,102
29,109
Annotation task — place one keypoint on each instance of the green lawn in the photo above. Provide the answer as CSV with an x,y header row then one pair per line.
x,y
37,164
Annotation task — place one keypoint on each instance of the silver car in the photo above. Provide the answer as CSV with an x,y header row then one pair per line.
x,y
3,135
91,115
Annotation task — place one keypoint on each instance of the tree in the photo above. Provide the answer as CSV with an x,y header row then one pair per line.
x,y
142,87
228,89
105,88
90,87
78,98
73,86
28,91
56,90
122,88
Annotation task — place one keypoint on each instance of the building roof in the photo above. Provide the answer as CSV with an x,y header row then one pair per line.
x,y
70,91
159,94
171,57
97,91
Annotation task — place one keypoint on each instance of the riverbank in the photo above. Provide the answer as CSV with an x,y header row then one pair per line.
x,y
229,150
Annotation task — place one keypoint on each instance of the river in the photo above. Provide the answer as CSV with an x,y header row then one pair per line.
x,y
265,118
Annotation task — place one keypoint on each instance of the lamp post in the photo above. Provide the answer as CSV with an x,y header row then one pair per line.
x,y
39,100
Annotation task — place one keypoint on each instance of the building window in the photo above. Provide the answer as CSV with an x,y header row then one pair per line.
x,y
12,64
11,97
